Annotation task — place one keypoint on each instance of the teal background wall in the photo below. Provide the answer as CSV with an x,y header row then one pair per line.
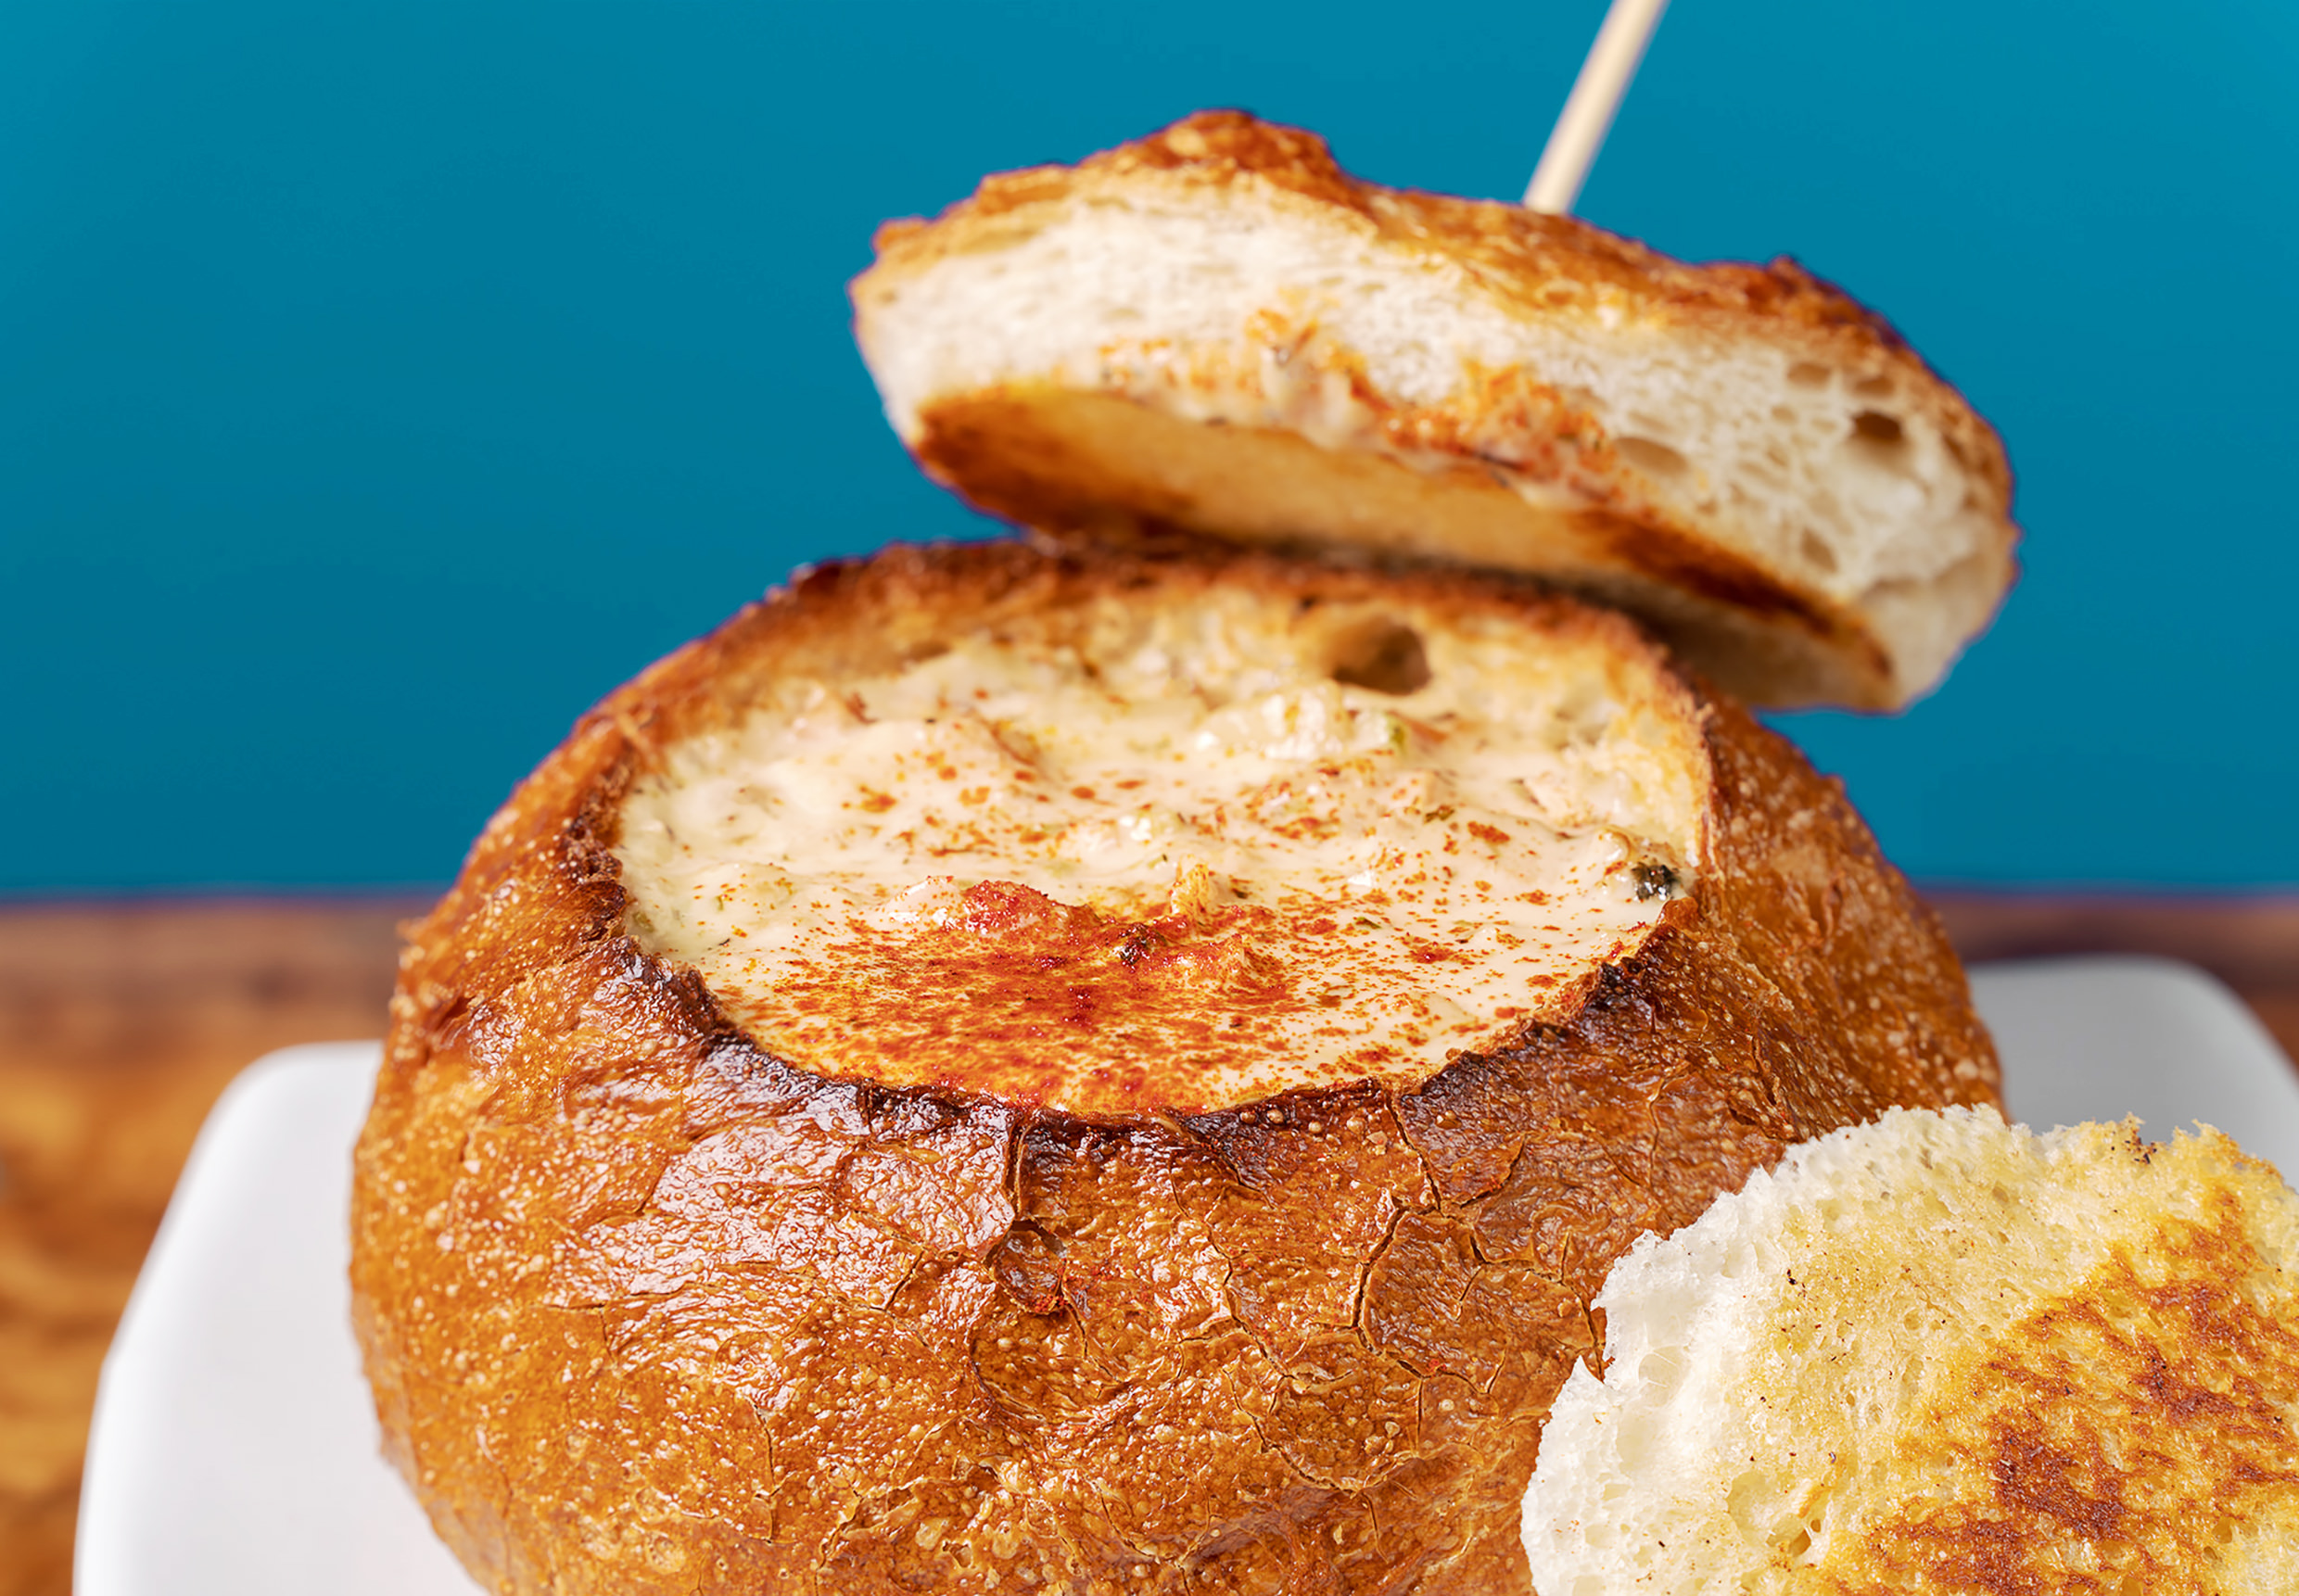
x,y
381,382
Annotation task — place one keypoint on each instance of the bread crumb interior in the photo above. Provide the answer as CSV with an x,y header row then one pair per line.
x,y
1941,1353
1173,851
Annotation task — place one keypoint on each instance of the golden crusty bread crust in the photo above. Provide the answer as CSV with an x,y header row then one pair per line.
x,y
646,1310
1413,375
1939,1354
1523,255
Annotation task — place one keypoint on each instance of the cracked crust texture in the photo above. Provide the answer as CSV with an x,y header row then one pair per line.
x,y
1216,331
646,1310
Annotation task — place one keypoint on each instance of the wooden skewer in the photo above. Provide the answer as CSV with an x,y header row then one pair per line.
x,y
1588,112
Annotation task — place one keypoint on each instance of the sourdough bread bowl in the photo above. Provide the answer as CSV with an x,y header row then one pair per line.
x,y
1000,1070
1217,332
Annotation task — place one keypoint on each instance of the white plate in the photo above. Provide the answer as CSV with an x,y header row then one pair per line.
x,y
234,1451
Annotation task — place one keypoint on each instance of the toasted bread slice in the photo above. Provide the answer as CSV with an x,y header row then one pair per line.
x,y
1940,1354
1216,331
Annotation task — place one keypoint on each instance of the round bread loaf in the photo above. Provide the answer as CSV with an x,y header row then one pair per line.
x,y
993,1071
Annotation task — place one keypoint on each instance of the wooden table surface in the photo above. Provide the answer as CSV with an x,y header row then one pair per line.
x,y
120,1024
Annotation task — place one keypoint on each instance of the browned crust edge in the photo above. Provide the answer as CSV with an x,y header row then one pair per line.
x,y
1497,241
1790,647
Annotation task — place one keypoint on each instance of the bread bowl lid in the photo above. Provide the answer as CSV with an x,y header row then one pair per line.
x,y
1216,333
